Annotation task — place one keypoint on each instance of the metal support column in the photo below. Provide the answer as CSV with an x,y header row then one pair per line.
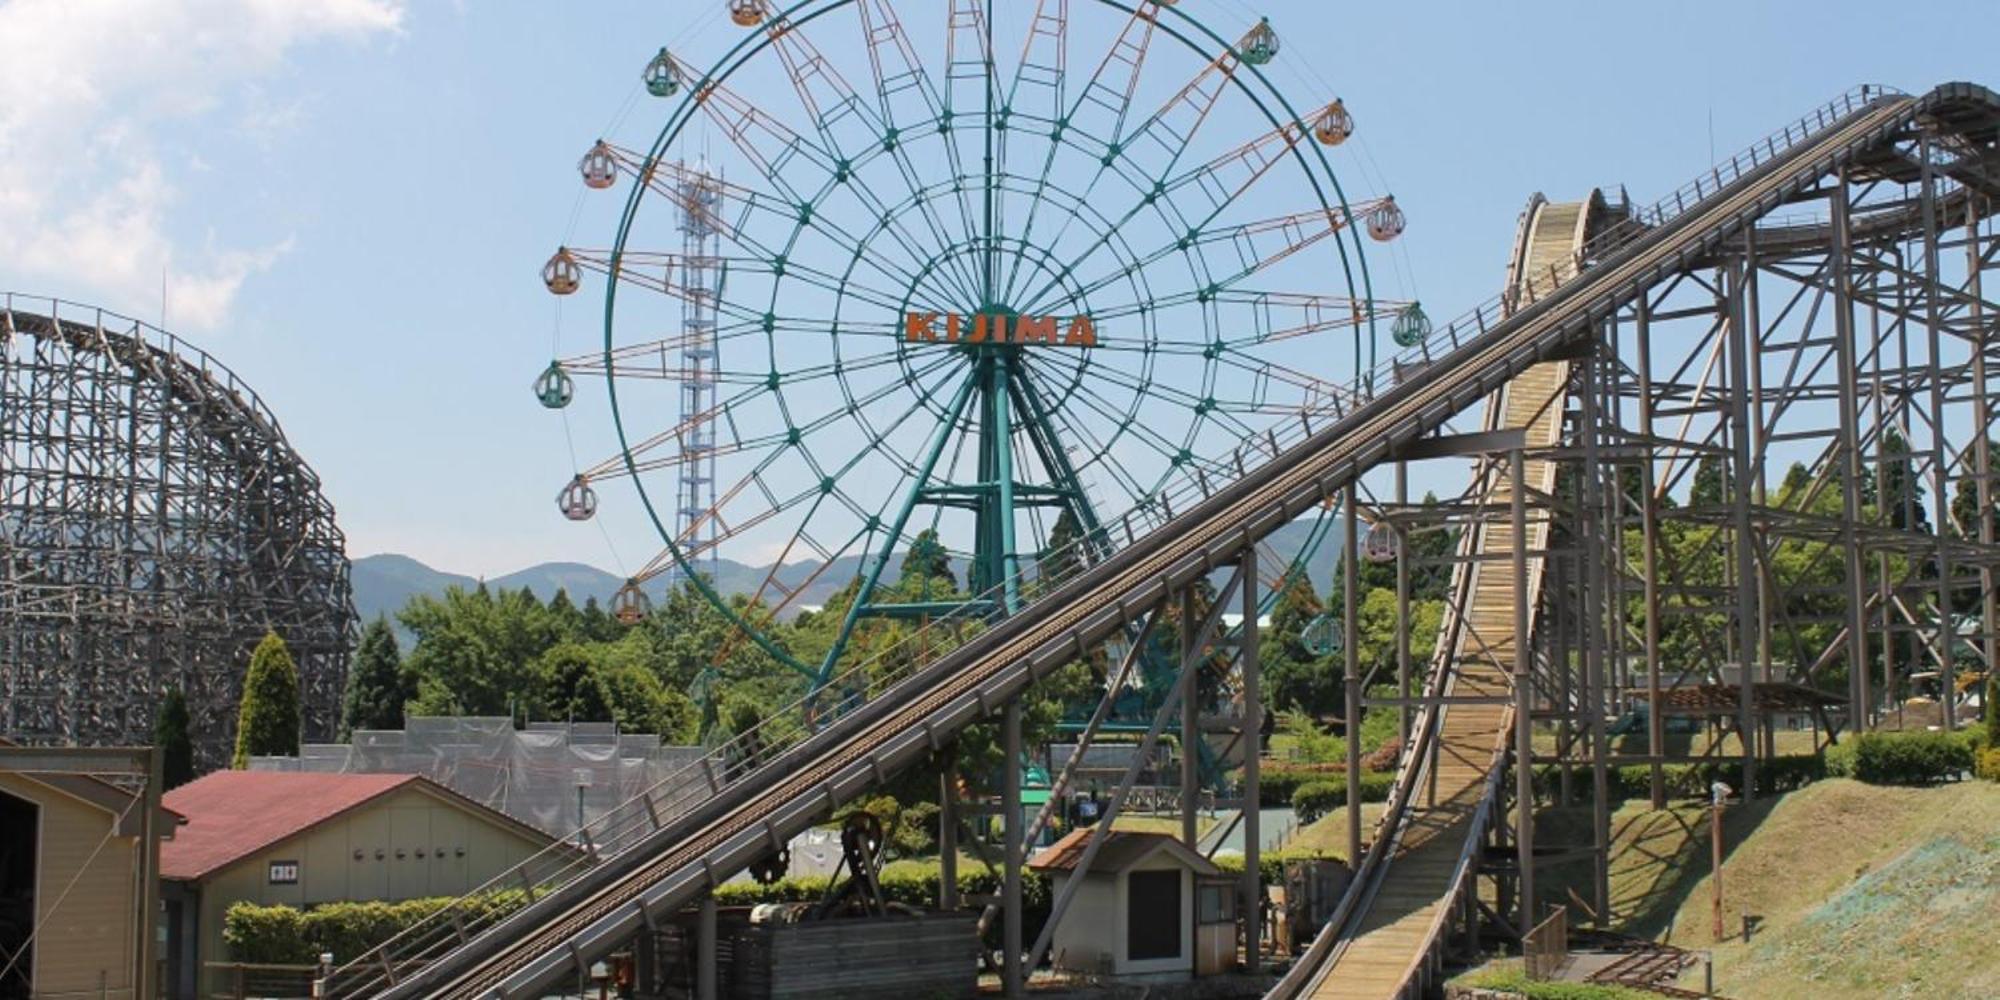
x,y
1943,637
948,832
1982,466
1850,451
1649,527
1524,746
1190,719
1350,579
1253,746
1598,520
705,944
1739,501
1011,979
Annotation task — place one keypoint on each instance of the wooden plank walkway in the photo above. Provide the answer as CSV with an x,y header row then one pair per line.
x,y
1408,910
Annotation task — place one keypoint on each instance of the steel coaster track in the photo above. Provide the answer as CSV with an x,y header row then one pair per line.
x,y
545,944
1734,208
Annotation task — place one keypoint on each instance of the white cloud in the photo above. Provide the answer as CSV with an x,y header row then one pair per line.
x,y
89,91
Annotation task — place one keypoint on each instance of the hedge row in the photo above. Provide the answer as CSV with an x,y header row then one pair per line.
x,y
1905,758
1688,781
1317,799
287,935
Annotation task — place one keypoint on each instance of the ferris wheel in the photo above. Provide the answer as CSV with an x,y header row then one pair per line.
x,y
979,279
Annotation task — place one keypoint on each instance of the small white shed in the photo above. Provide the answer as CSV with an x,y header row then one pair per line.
x,y
1134,915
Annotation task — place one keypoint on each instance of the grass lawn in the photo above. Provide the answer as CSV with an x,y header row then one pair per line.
x,y
1854,890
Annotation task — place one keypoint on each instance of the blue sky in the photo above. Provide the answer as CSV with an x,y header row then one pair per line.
x,y
350,198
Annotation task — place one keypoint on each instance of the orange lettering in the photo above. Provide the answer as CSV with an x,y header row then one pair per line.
x,y
1035,330
920,327
951,327
1082,333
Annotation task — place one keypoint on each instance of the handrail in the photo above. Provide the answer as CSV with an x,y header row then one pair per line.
x,y
746,756
1336,934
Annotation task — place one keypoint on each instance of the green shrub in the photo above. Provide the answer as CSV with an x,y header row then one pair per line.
x,y
290,936
1987,765
1318,798
1277,785
1905,758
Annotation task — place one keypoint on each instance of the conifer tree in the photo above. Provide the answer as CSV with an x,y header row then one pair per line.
x,y
267,725
171,735
376,685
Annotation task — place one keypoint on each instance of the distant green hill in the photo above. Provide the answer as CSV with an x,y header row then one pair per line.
x,y
383,584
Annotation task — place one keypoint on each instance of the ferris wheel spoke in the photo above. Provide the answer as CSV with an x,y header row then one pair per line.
x,y
1101,452
773,148
969,68
673,181
1221,182
1127,418
1242,250
901,80
1101,109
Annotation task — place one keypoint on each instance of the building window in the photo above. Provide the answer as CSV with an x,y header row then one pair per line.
x,y
1153,920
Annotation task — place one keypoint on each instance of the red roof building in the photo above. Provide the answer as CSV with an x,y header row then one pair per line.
x,y
307,839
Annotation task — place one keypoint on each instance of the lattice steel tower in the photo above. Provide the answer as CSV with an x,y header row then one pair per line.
x,y
700,195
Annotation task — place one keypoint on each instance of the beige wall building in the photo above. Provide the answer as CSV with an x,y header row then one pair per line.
x,y
303,839
69,887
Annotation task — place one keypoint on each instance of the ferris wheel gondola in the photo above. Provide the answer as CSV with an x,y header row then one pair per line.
x,y
964,299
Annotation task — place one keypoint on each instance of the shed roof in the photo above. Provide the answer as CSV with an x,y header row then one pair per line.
x,y
1122,850
234,814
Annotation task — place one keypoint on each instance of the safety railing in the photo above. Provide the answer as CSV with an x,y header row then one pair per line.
x,y
1545,947
746,754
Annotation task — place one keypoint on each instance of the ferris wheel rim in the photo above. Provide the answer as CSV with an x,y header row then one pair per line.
x,y
1318,170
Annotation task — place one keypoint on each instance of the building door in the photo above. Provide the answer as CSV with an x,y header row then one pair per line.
x,y
20,858
1153,918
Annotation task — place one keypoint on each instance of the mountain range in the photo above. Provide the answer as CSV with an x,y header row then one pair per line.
x,y
384,583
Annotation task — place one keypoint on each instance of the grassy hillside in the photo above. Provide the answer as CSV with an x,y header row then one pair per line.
x,y
1853,890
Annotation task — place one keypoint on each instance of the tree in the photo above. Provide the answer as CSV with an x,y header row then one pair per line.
x,y
171,734
1965,497
377,687
267,725
1902,492
1711,482
928,560
1064,557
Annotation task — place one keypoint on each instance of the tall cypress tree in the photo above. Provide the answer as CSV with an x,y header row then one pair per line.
x,y
376,686
171,735
267,725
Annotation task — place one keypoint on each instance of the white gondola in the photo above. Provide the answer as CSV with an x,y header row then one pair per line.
x,y
748,13
631,605
561,274
577,500
598,167
1385,221
1381,544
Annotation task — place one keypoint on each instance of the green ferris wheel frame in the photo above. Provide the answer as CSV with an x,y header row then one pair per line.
x,y
1002,392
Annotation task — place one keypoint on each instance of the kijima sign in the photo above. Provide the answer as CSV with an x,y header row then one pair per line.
x,y
998,328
